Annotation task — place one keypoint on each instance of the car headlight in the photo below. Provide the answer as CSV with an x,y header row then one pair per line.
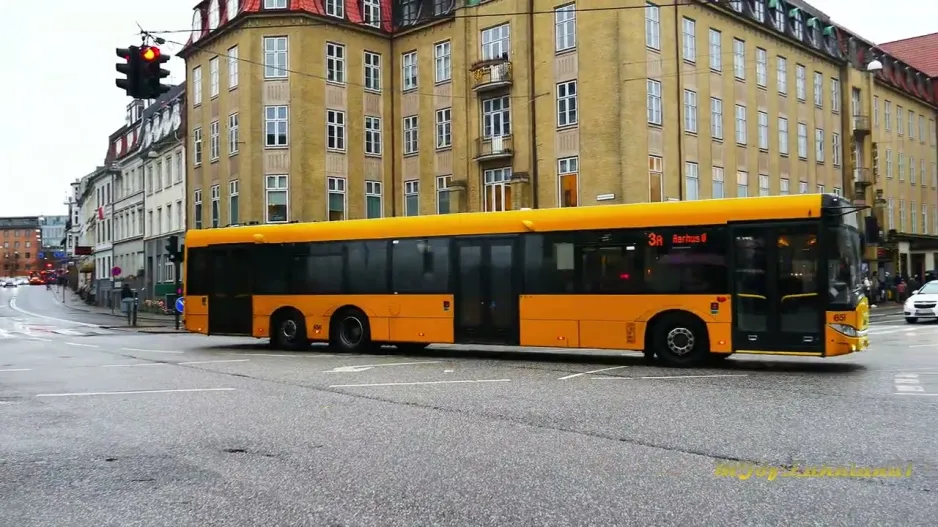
x,y
844,329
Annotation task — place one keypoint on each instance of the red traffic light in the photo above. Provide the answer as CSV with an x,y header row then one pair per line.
x,y
150,53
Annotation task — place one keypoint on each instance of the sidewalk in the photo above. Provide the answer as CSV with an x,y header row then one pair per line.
x,y
146,322
886,309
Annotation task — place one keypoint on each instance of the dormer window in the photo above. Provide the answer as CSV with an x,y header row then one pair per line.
x,y
779,13
371,12
798,25
409,11
737,5
335,8
213,15
231,10
814,32
275,4
758,10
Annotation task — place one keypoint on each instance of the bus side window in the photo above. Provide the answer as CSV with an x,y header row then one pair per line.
x,y
687,261
272,270
198,278
549,264
367,269
420,265
610,262
318,269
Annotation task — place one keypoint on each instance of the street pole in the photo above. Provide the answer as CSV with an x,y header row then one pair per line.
x,y
178,285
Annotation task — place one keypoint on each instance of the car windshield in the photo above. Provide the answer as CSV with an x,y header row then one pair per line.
x,y
843,265
931,288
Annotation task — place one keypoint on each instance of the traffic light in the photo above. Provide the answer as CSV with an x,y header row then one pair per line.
x,y
152,73
172,247
130,68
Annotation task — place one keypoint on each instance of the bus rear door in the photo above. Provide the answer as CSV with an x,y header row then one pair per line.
x,y
486,291
230,307
778,303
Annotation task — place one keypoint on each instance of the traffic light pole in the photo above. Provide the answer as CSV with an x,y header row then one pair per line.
x,y
178,286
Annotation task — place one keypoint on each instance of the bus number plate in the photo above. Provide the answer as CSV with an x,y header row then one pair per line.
x,y
840,317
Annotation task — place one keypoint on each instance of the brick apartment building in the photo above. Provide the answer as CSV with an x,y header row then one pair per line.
x,y
21,239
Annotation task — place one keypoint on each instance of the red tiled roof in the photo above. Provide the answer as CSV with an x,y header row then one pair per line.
x,y
919,52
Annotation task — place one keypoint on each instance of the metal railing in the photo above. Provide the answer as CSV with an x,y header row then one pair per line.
x,y
493,147
491,75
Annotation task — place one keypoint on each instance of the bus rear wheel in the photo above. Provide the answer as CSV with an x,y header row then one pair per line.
x,y
682,341
289,331
350,331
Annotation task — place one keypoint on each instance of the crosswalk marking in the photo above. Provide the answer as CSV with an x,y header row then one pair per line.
x,y
44,333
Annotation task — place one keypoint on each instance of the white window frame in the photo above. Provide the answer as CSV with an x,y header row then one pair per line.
x,y
276,121
762,68
835,95
819,145
373,136
689,41
801,88
652,27
762,121
764,189
716,118
442,187
690,111
835,149
444,128
691,181
411,135
496,117
215,208
496,182
742,128
234,133
412,190
567,107
496,41
739,59
371,13
232,67
233,193
335,8
196,85
276,183
742,184
442,59
336,186
568,167
715,39
196,147
276,57
372,71
335,60
565,28
717,189
335,130
373,190
409,80
818,89
214,80
783,132
781,73
653,102
802,142
214,140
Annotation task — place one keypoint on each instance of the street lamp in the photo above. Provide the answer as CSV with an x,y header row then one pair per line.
x,y
874,66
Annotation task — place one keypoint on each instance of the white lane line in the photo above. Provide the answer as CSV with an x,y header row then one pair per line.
x,y
40,339
17,369
467,381
211,361
916,393
23,311
148,351
183,390
6,334
364,367
924,346
82,345
904,388
280,355
590,372
671,377
134,365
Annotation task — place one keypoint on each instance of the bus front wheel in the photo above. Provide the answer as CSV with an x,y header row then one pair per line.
x,y
289,330
350,331
681,340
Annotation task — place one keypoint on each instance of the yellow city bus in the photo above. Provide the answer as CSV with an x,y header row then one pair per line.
x,y
683,281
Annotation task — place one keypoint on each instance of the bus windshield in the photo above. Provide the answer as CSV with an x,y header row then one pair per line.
x,y
844,250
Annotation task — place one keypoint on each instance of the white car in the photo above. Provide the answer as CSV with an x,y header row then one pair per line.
x,y
923,304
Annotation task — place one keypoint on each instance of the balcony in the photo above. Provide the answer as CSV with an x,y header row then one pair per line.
x,y
861,125
862,177
491,75
496,147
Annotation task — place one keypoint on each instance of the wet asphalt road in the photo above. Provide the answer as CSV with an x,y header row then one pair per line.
x,y
102,426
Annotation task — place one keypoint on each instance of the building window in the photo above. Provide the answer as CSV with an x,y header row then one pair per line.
x,y
214,141
911,170
496,117
838,191
763,185
409,67
783,136
277,199
372,136
802,141
275,123
335,8
912,216
232,67
901,167
887,115
691,181
821,189
197,86
717,190
411,144
889,163
196,149
655,176
335,62
652,27
742,184
763,122
411,197
798,26
275,4
924,218
739,59
372,13
336,188
690,111
275,57
372,71
213,77
835,95
818,89
819,145
921,128
783,186
835,146
197,202
443,61
568,175
565,27
802,187
233,193
690,40
876,111
373,205
442,194
444,128
335,130
216,208
779,17
566,104
800,88
898,119
716,50
654,102
496,42
762,68
782,74
716,118
233,135
741,124
496,195
758,10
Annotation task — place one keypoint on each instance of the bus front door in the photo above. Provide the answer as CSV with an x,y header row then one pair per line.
x,y
486,291
777,305
230,309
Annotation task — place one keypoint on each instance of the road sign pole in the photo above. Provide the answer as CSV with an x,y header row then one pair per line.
x,y
178,294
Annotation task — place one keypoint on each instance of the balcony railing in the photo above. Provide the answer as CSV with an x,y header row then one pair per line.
x,y
495,147
491,75
862,176
861,124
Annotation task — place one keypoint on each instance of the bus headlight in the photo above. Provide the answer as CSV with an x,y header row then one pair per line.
x,y
844,329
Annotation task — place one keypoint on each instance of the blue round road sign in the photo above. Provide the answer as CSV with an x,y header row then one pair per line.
x,y
180,304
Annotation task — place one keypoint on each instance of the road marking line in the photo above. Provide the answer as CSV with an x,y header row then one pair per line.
x,y
364,367
133,365
182,390
6,334
17,369
590,372
924,346
672,377
23,311
914,393
83,345
280,355
211,361
416,383
149,351
906,381
40,339
901,388
907,376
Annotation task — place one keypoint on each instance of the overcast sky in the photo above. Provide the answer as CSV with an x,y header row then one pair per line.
x,y
57,111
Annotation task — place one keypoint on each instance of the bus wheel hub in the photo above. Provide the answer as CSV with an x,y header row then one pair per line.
x,y
288,329
681,341
351,331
